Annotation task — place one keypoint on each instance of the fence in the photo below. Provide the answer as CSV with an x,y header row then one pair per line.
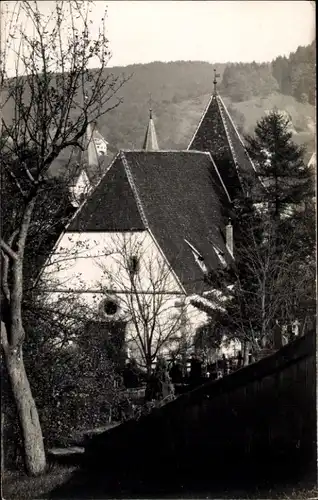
x,y
259,422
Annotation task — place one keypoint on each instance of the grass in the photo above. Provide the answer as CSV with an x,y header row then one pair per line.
x,y
16,485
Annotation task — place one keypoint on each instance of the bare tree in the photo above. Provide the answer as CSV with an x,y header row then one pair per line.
x,y
143,284
264,287
52,97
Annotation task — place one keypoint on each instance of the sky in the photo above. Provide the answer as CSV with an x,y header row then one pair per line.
x,y
213,31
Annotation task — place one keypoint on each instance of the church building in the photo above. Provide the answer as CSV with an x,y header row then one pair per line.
x,y
138,249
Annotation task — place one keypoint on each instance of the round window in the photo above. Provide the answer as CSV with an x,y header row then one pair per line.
x,y
110,307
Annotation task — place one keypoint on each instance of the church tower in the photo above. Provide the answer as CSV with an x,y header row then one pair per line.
x,y
150,142
217,134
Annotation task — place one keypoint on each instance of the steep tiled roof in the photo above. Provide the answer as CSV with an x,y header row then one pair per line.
x,y
217,134
178,196
150,142
111,206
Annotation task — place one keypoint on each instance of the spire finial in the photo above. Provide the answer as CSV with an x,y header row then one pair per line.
x,y
150,106
216,75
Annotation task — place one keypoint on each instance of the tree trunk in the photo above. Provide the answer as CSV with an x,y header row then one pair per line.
x,y
263,309
2,441
246,351
35,461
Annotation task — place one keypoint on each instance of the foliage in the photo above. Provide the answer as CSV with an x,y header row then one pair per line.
x,y
272,280
242,81
280,164
296,74
53,98
208,337
75,380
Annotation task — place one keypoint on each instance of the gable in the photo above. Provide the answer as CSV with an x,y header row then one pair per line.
x,y
111,206
99,261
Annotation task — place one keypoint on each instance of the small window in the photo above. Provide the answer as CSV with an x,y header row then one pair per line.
x,y
220,255
197,257
200,261
133,265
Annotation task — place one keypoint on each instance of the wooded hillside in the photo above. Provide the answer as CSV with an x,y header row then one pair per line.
x,y
180,91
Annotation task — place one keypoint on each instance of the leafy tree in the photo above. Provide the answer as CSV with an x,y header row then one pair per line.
x,y
266,284
242,81
296,74
74,375
54,97
281,71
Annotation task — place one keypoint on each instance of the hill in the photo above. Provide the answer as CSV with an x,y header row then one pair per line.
x,y
180,91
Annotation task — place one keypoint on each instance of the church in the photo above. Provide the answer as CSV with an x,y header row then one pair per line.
x,y
142,241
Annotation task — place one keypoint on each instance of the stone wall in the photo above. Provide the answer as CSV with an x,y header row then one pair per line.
x,y
257,424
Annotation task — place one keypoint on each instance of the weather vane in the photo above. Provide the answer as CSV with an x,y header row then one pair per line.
x,y
216,75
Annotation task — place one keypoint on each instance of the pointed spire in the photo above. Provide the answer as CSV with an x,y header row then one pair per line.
x,y
150,142
217,134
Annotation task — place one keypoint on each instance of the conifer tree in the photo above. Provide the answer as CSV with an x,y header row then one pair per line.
x,y
272,276
280,164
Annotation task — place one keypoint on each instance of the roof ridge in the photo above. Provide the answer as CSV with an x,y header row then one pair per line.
x,y
201,120
166,260
240,139
237,132
228,136
219,176
134,189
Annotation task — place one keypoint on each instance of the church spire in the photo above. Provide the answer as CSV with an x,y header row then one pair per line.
x,y
218,135
150,142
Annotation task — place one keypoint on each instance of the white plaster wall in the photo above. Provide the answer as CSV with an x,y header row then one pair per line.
x,y
87,267
96,260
